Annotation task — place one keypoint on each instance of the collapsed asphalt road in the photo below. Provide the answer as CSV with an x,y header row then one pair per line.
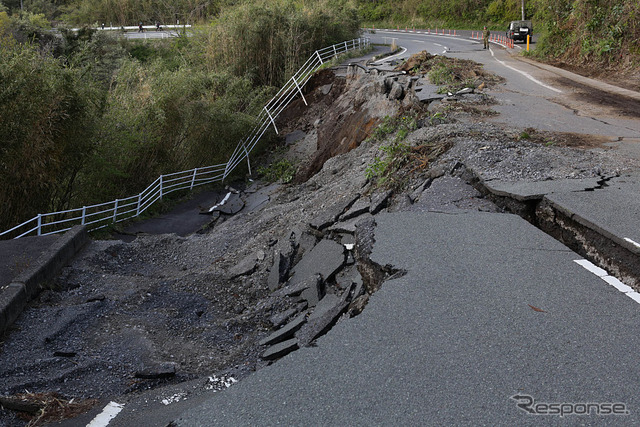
x,y
490,308
186,316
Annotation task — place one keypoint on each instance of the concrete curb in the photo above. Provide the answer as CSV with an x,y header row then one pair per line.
x,y
25,286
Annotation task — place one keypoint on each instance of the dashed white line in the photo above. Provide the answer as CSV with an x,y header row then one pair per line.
x,y
108,413
404,49
527,75
439,45
618,284
636,244
592,268
625,289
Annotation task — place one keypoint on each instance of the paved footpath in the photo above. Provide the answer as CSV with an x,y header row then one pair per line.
x,y
490,308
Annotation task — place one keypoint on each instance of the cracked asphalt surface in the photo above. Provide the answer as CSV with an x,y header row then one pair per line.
x,y
490,306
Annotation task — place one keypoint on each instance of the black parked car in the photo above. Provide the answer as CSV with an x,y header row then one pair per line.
x,y
519,30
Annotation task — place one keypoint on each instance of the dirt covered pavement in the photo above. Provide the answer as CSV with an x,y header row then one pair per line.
x,y
125,318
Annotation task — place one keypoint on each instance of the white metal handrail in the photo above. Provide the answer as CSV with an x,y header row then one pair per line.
x,y
104,214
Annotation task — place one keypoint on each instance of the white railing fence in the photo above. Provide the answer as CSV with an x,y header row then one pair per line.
x,y
104,214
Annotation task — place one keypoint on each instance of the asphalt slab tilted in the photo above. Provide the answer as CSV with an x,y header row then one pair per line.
x,y
432,346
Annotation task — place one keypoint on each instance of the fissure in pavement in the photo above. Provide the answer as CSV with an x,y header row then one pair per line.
x,y
592,245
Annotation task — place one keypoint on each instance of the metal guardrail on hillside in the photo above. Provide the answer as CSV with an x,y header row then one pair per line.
x,y
104,214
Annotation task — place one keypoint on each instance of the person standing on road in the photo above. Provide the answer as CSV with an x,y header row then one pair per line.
x,y
485,37
140,29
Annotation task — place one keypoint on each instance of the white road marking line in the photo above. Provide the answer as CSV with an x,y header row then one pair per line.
x,y
221,203
636,244
418,41
527,75
438,35
618,284
439,45
404,49
625,289
592,268
108,413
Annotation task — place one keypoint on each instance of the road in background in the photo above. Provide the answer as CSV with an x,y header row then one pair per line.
x,y
536,95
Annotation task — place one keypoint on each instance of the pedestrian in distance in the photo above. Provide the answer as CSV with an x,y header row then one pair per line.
x,y
140,29
485,37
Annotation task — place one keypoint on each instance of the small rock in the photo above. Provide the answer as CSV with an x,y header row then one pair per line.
x,y
162,370
64,353
99,297
464,91
396,91
326,89
244,267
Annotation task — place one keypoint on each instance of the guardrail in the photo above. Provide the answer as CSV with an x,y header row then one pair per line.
x,y
104,214
137,27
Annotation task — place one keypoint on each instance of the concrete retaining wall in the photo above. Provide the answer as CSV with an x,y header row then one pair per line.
x,y
30,282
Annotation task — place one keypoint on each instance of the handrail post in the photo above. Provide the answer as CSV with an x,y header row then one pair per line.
x,y
335,52
84,215
39,225
161,183
248,162
346,47
115,211
138,207
299,90
193,178
273,122
319,57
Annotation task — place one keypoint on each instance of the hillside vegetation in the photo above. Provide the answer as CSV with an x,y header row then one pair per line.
x,y
596,34
88,117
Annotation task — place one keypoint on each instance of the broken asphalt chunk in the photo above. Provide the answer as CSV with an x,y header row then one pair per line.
x,y
349,226
282,260
330,215
286,331
325,315
280,319
279,350
326,258
296,288
379,201
359,207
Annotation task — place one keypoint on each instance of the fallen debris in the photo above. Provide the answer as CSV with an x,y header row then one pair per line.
x,y
39,409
